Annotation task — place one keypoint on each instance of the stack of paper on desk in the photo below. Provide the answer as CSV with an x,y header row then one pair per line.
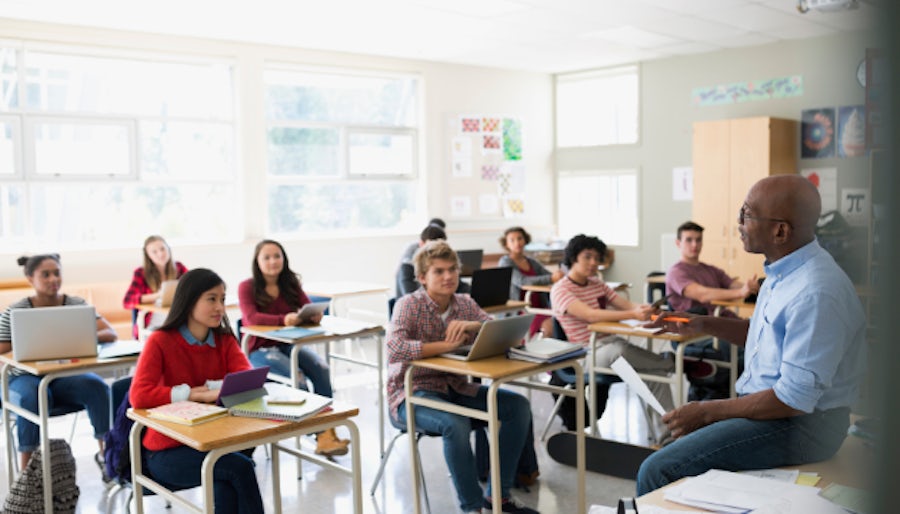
x,y
547,350
343,326
735,493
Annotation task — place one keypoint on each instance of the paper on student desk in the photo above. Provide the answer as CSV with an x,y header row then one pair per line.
x,y
630,377
644,509
782,475
342,326
638,325
724,491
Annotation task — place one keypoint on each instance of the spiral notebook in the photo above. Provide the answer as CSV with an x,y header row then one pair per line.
x,y
282,403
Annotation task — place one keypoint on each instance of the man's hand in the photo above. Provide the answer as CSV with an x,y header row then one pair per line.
x,y
641,312
751,286
458,330
556,275
677,322
687,418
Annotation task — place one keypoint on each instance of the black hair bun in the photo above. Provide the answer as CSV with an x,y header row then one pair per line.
x,y
22,260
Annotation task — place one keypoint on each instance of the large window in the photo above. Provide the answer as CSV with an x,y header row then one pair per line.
x,y
601,203
597,108
102,148
342,150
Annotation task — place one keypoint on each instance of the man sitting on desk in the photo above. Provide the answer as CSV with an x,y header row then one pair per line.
x,y
692,285
804,352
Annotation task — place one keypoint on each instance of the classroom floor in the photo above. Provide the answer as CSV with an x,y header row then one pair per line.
x,y
325,491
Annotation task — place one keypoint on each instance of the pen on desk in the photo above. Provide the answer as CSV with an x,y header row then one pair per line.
x,y
672,318
57,361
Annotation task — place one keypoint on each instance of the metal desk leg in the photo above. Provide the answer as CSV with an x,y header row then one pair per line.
x,y
592,387
7,427
134,445
43,410
413,447
494,446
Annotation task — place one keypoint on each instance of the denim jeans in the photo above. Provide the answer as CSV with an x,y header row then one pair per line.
x,y
278,358
235,490
88,391
514,412
742,444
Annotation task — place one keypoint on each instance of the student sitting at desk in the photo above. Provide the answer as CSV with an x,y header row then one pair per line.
x,y
158,267
435,320
272,297
692,285
526,271
411,248
44,272
805,352
582,298
186,359
406,275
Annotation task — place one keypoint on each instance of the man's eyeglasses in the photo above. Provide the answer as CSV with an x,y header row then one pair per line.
x,y
742,215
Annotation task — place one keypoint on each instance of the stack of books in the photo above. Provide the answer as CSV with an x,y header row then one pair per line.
x,y
187,412
547,350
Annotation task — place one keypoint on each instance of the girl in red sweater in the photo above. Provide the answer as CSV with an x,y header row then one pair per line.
x,y
186,359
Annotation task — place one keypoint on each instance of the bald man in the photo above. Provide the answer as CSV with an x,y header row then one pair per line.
x,y
804,352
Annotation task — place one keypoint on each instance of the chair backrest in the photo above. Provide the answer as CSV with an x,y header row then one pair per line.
x,y
655,291
558,332
391,303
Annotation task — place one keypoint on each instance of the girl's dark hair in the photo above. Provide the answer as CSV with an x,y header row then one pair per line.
x,y
31,263
288,283
509,231
581,243
151,273
191,286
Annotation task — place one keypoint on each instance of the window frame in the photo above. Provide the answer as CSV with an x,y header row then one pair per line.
x,y
18,174
607,172
611,72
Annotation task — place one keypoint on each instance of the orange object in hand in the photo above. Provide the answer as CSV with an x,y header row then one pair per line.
x,y
672,318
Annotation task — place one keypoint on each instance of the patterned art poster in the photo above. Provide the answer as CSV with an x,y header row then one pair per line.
x,y
490,144
512,139
817,133
490,124
490,172
461,206
851,134
514,206
825,180
469,124
461,150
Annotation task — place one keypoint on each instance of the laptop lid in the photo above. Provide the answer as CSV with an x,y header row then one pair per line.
x,y
46,333
490,286
470,260
167,292
495,337
243,386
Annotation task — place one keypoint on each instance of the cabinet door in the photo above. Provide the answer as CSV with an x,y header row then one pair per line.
x,y
712,162
717,253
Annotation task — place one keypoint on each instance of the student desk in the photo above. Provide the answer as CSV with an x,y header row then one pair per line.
x,y
499,370
336,329
619,287
510,308
740,307
48,371
676,379
852,466
337,291
232,433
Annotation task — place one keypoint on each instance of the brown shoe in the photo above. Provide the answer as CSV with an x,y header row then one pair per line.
x,y
328,444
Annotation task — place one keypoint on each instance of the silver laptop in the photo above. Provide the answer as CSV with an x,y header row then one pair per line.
x,y
495,337
166,293
54,333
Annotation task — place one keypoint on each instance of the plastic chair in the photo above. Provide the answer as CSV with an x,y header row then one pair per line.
x,y
384,458
654,291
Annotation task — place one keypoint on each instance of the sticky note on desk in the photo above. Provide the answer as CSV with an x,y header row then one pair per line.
x,y
807,478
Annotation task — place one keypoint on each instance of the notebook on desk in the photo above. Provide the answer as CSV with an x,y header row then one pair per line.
x,y
490,286
47,333
495,337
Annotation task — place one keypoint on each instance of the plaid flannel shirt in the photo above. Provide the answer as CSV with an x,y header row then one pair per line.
x,y
417,321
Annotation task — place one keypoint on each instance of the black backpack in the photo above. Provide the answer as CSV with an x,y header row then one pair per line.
x,y
115,449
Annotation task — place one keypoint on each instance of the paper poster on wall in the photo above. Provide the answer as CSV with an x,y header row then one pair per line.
x,y
512,179
513,206
851,139
461,153
825,180
855,206
461,206
490,124
817,133
490,171
488,204
490,144
469,124
682,183
512,139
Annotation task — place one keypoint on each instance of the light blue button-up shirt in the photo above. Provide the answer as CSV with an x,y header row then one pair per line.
x,y
807,335
186,334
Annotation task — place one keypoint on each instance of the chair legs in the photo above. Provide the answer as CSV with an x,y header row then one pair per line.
x,y
384,460
553,412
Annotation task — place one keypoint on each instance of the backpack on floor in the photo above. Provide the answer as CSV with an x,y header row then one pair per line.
x,y
26,496
115,449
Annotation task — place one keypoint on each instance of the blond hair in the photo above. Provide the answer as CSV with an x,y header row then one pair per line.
x,y
430,251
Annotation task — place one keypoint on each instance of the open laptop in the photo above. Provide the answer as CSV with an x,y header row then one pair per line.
x,y
495,337
470,260
166,293
48,333
490,286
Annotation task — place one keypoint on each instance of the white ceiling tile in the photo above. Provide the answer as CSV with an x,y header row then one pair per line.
x,y
751,39
751,17
691,48
631,36
693,28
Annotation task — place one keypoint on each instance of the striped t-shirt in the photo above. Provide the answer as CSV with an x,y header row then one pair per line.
x,y
595,294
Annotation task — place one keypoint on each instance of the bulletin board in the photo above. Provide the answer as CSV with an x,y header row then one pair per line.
x,y
486,178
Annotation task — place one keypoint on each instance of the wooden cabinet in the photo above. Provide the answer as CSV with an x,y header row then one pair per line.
x,y
730,156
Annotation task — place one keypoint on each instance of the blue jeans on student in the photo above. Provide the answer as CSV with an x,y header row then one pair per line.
x,y
514,412
88,391
278,358
742,444
235,490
